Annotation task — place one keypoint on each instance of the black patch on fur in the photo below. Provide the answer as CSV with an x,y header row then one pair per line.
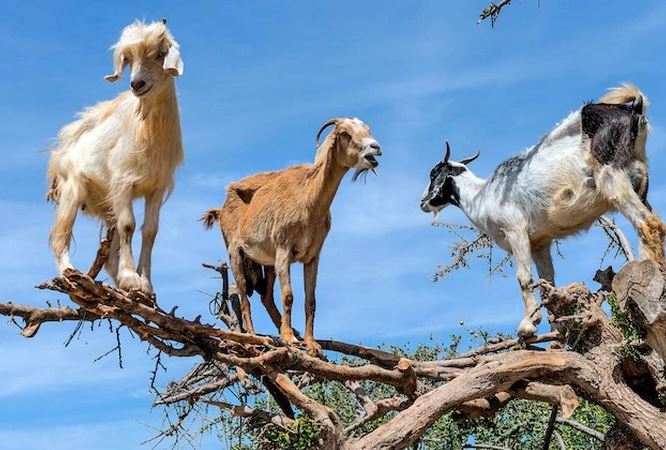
x,y
641,184
443,188
612,130
509,170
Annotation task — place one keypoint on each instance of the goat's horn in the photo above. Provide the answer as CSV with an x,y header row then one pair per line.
x,y
638,104
448,151
327,124
164,20
470,159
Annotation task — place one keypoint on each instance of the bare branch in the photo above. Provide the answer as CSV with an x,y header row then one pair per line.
x,y
492,11
582,428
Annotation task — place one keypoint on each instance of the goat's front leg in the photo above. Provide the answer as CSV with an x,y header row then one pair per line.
x,y
282,268
310,281
520,246
148,234
544,264
125,224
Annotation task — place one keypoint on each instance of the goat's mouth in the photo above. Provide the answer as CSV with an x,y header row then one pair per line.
x,y
370,159
142,92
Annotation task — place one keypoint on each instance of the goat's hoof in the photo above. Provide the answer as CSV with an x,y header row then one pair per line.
x,y
526,328
129,280
146,285
314,349
288,338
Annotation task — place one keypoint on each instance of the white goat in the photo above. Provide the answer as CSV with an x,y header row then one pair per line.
x,y
591,163
120,150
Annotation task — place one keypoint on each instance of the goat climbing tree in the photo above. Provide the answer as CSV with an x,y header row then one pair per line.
x,y
616,362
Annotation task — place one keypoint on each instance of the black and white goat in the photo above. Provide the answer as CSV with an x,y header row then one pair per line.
x,y
591,163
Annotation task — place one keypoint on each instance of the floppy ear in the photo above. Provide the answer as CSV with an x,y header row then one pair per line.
x,y
470,159
118,64
173,65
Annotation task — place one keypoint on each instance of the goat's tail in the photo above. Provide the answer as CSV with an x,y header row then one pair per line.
x,y
626,93
210,218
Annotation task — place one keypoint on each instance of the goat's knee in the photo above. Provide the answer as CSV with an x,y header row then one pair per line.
x,y
126,226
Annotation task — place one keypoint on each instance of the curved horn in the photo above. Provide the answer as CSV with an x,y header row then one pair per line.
x,y
327,124
448,152
638,105
470,159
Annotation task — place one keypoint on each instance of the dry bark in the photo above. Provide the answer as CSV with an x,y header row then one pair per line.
x,y
472,384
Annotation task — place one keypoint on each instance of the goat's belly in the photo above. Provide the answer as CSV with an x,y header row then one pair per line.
x,y
263,256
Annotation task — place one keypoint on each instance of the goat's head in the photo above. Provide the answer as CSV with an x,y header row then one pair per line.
x,y
352,144
442,190
152,54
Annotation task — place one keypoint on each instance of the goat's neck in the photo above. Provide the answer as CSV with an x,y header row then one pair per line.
x,y
160,106
160,125
325,181
469,188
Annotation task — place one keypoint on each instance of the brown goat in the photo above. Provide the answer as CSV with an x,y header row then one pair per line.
x,y
274,219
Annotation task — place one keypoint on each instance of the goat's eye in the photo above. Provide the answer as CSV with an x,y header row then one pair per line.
x,y
345,135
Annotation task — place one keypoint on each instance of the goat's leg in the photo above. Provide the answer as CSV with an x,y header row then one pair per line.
x,y
268,299
125,224
520,246
237,268
310,282
648,225
148,233
111,264
544,264
69,201
282,268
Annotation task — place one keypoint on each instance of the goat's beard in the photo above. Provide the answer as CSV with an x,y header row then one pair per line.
x,y
362,173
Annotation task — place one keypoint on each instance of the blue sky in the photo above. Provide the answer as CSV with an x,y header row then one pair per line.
x,y
260,77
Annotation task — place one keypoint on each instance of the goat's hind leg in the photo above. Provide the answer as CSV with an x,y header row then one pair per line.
x,y
237,268
69,201
268,297
111,263
648,225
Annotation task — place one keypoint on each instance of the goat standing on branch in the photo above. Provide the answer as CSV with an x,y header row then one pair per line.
x,y
120,150
278,218
591,163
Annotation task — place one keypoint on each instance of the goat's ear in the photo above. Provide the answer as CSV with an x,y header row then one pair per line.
x,y
118,65
173,65
466,161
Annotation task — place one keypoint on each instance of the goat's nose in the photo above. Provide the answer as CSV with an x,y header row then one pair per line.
x,y
375,146
137,84
425,207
